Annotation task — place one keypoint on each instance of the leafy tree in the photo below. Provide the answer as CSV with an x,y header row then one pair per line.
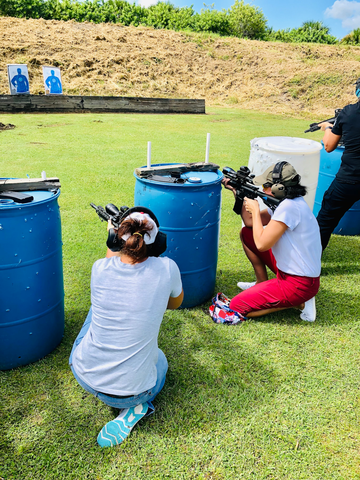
x,y
211,20
121,11
353,38
247,21
23,8
309,32
316,32
97,11
166,15
242,19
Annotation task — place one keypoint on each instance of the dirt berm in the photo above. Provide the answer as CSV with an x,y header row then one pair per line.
x,y
293,79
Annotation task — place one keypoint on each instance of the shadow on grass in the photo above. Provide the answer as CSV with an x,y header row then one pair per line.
x,y
213,376
350,268
216,379
49,421
342,256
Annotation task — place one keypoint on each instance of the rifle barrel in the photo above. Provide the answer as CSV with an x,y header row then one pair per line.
x,y
314,127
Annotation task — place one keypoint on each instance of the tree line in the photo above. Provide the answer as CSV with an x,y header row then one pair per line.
x,y
240,20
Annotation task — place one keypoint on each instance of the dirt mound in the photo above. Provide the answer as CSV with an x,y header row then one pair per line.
x,y
107,59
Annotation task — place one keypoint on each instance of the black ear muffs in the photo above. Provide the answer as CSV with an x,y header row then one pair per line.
x,y
154,249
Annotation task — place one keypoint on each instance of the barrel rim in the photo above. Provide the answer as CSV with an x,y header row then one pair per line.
x,y
182,185
15,205
317,146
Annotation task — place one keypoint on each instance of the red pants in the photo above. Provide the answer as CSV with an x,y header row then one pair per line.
x,y
284,291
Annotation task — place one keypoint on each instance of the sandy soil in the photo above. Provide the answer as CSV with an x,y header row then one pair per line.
x,y
113,60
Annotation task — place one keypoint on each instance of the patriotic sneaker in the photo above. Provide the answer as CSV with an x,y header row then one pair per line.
x,y
245,285
115,432
220,311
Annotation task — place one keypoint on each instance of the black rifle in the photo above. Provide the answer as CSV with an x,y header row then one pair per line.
x,y
242,182
110,212
315,126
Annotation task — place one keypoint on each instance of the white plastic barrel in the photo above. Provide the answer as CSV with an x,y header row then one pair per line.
x,y
302,154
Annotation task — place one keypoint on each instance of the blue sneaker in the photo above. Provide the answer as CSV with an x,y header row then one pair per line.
x,y
115,432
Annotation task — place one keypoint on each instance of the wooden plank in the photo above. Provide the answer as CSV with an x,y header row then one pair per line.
x,y
25,184
15,103
58,103
143,105
81,104
145,172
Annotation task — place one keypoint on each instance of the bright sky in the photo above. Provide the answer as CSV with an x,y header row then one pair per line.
x,y
342,16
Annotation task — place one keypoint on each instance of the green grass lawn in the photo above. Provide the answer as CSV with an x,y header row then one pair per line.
x,y
276,398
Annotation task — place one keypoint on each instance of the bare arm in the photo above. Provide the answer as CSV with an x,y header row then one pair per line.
x,y
248,219
175,302
330,140
264,238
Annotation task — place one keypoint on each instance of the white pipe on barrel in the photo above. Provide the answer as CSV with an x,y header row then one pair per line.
x,y
149,155
207,148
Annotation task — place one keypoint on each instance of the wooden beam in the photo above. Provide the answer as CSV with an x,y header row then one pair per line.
x,y
83,104
26,184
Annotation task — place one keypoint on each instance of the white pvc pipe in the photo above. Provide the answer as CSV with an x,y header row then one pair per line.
x,y
43,175
149,155
207,148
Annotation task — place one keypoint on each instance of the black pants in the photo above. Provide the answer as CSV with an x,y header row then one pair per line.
x,y
338,199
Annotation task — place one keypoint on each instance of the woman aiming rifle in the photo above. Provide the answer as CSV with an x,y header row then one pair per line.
x,y
289,246
116,356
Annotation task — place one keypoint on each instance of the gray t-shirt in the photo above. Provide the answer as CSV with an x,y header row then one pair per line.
x,y
118,354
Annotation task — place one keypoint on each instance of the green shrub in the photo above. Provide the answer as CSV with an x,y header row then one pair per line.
x,y
23,8
309,32
247,21
353,38
167,16
211,20
241,20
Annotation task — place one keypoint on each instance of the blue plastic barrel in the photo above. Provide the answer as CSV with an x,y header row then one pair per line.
x,y
189,214
31,279
329,166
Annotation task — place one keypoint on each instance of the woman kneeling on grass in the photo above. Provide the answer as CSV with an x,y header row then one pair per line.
x,y
116,356
290,246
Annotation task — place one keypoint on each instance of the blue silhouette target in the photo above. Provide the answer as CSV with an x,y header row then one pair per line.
x,y
52,81
18,79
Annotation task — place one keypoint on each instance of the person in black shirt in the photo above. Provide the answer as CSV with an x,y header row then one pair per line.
x,y
344,191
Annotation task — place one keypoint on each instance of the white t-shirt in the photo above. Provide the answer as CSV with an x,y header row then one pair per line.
x,y
298,251
119,352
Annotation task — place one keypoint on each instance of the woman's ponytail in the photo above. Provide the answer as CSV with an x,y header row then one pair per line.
x,y
134,246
